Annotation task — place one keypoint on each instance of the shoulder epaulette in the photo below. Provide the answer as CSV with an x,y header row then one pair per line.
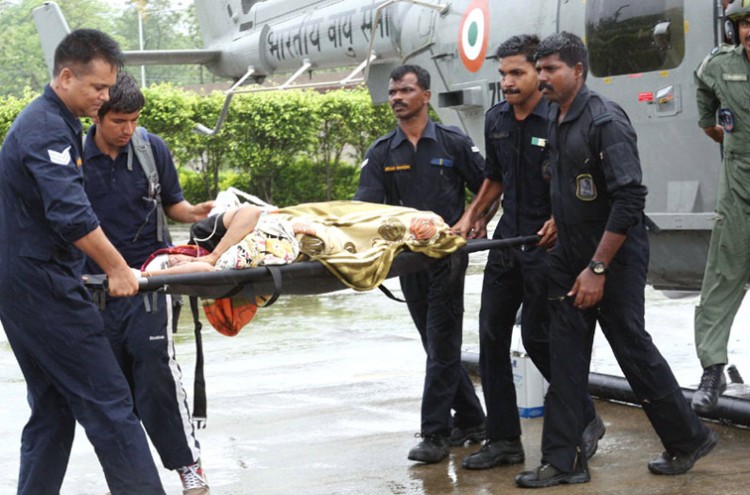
x,y
602,118
450,128
383,138
723,48
501,106
716,51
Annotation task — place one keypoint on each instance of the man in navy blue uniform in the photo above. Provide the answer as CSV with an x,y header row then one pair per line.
x,y
428,166
518,168
56,332
141,336
598,274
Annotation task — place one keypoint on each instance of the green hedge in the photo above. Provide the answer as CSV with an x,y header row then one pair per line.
x,y
285,147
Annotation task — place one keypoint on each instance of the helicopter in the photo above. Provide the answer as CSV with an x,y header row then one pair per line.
x,y
642,55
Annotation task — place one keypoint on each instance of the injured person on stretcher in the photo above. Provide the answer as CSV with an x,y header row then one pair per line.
x,y
356,241
226,230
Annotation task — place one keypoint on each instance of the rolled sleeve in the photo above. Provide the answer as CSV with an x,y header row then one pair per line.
x,y
473,167
707,103
622,170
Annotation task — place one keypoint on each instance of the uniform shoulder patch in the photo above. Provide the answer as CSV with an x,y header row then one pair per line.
x,y
60,157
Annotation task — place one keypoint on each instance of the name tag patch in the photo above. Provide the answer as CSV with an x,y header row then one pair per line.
x,y
397,168
535,141
734,77
441,162
585,187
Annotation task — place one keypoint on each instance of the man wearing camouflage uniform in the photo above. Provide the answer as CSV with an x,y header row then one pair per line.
x,y
724,86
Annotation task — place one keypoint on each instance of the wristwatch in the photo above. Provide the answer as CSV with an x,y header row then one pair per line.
x,y
598,267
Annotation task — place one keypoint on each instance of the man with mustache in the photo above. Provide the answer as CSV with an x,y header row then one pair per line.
x,y
598,275
518,168
427,166
723,80
129,206
47,226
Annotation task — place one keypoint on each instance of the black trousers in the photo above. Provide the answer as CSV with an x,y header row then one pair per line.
x,y
513,279
621,316
435,299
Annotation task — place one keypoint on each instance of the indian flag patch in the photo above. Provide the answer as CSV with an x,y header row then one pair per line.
x,y
473,35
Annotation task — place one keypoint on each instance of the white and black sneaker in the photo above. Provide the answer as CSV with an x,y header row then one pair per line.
x,y
193,480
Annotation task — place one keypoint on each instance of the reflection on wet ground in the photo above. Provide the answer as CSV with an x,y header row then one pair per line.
x,y
321,395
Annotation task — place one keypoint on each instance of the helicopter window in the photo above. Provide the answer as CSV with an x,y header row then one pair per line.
x,y
630,37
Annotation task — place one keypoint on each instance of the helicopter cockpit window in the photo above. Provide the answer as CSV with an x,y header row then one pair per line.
x,y
634,36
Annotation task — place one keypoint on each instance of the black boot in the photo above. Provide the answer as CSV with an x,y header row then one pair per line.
x,y
495,453
591,435
548,475
681,462
459,436
713,384
433,448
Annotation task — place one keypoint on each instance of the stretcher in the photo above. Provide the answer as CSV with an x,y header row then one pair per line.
x,y
304,277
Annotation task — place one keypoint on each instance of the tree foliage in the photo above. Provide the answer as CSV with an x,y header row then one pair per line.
x,y
21,59
10,107
22,62
271,129
161,27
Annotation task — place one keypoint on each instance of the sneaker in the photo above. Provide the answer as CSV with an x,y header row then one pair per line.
x,y
593,432
682,462
495,453
433,448
193,480
548,475
713,384
459,436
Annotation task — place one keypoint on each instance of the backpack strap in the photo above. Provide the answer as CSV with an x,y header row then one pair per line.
x,y
141,146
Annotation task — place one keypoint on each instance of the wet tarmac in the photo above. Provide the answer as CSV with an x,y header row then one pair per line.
x,y
321,396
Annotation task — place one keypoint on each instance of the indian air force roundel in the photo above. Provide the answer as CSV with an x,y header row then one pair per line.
x,y
474,34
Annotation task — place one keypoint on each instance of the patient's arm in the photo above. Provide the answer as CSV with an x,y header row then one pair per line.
x,y
239,222
181,267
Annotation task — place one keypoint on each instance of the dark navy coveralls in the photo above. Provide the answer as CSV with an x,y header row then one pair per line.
x,y
141,336
518,158
52,325
432,177
596,186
